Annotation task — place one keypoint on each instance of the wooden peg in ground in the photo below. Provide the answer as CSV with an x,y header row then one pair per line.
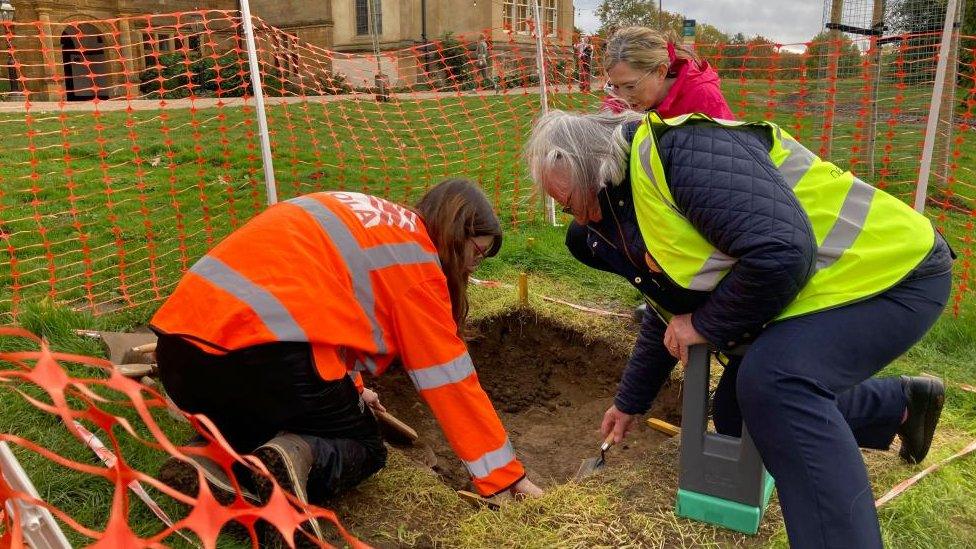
x,y
663,426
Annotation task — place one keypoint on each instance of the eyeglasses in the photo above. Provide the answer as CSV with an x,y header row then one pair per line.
x,y
567,209
480,253
626,89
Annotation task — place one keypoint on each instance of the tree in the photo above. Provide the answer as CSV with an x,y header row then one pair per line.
x,y
614,14
917,16
922,20
710,43
822,46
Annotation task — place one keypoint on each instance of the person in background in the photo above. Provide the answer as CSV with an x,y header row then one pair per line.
x,y
650,70
584,57
738,234
483,63
268,333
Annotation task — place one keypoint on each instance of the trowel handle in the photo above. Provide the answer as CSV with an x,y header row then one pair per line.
x,y
607,443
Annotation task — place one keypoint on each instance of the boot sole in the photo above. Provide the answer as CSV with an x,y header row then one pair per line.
x,y
184,477
935,399
281,468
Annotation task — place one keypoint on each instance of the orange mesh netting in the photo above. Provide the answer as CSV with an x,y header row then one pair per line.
x,y
88,392
131,144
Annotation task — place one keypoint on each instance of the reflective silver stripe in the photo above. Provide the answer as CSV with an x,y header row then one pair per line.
x,y
644,151
386,255
352,254
444,374
355,376
367,364
711,272
495,459
849,224
269,309
797,164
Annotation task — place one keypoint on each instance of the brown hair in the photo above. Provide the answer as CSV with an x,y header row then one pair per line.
x,y
455,210
644,49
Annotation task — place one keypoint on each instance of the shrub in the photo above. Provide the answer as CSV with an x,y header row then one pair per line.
x,y
177,75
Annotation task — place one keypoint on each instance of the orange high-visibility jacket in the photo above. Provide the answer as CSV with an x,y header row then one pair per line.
x,y
359,279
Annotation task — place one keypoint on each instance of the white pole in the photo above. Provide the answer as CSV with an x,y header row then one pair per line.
x,y
922,189
252,61
38,526
540,63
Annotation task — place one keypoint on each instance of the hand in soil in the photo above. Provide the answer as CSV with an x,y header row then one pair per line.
x,y
616,422
680,335
372,399
525,488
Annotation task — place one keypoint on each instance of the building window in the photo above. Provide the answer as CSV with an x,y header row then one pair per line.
x,y
549,16
164,44
363,13
516,15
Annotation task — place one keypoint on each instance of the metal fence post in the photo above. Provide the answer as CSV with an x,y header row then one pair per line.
x,y
540,29
935,105
252,61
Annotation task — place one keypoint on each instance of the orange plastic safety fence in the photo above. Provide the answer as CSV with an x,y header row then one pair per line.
x,y
120,410
136,147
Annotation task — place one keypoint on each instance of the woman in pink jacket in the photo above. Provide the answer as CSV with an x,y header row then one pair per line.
x,y
648,70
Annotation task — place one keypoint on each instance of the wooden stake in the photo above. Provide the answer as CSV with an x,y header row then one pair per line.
x,y
523,290
663,426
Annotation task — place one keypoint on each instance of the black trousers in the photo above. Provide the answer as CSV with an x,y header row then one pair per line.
x,y
252,394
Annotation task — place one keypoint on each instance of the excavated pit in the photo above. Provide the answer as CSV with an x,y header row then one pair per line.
x,y
551,385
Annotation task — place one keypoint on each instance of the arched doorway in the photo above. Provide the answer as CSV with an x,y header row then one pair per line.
x,y
85,63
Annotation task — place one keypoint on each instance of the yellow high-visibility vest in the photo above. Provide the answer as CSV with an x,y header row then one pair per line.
x,y
867,240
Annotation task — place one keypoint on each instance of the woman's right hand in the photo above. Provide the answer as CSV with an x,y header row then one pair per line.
x,y
525,488
616,422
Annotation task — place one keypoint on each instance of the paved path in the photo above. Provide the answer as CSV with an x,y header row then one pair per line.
x,y
212,102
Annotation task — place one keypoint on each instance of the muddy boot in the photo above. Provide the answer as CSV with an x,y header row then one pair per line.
x,y
182,475
288,458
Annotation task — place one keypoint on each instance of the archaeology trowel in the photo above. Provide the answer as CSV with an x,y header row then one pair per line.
x,y
594,464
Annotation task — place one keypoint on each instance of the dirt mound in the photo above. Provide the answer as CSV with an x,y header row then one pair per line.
x,y
551,385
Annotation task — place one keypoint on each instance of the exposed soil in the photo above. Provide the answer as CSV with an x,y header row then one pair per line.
x,y
550,385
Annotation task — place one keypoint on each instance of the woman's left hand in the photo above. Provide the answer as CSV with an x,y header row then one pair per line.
x,y
680,335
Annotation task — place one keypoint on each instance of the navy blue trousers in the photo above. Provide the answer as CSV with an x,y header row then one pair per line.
x,y
805,392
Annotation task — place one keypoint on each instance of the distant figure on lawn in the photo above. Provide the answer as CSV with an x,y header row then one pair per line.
x,y
268,333
649,70
735,233
483,63
584,57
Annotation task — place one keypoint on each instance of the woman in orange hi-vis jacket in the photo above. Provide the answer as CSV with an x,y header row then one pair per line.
x,y
267,333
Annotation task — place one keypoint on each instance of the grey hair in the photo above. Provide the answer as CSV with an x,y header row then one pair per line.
x,y
592,146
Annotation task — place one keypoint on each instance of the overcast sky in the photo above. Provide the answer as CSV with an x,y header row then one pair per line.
x,y
782,21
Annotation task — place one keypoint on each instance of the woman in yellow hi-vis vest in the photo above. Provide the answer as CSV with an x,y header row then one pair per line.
x,y
268,333
736,233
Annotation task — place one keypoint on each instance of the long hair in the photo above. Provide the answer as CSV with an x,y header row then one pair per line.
x,y
455,210
644,49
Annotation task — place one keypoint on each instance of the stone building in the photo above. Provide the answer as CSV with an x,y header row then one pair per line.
x,y
84,49
403,24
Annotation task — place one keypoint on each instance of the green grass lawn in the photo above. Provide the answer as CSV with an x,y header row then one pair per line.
x,y
104,213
